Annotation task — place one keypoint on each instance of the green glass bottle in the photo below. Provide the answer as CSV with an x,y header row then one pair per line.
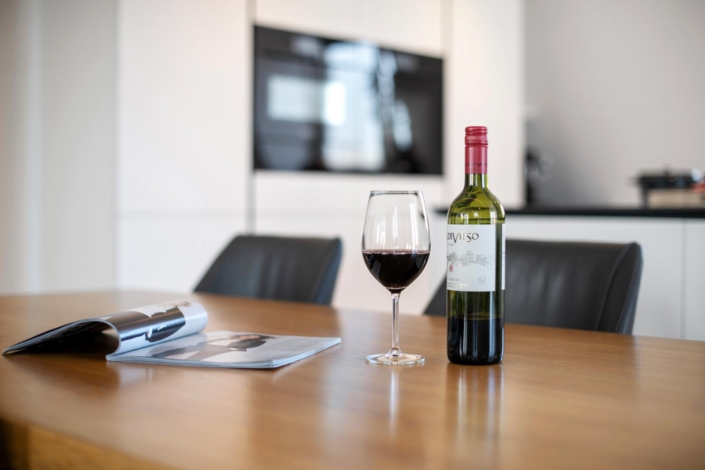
x,y
475,263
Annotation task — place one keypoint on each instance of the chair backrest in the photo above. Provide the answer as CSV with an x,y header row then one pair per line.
x,y
589,286
279,268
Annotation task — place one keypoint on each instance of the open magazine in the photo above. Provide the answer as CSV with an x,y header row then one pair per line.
x,y
171,333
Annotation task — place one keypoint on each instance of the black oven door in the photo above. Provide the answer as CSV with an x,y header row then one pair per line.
x,y
326,105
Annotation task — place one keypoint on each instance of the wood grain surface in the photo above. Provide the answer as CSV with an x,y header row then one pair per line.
x,y
561,398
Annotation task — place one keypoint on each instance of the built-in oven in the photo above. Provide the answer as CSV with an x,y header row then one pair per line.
x,y
328,105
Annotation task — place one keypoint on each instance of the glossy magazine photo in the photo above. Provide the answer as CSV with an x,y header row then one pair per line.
x,y
172,333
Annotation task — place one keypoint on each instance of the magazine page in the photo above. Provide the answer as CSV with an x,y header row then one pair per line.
x,y
230,349
135,328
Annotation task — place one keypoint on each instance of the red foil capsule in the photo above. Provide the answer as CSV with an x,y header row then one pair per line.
x,y
476,150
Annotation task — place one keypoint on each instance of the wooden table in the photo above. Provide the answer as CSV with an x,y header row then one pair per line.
x,y
561,399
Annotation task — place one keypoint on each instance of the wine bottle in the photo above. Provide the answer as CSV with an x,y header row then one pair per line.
x,y
475,263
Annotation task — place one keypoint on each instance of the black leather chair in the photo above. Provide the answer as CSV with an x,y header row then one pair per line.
x,y
589,286
294,269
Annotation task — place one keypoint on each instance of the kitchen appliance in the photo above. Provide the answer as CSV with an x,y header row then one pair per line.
x,y
342,106
672,190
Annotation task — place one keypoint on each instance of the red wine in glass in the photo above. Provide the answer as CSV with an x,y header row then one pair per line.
x,y
396,243
395,270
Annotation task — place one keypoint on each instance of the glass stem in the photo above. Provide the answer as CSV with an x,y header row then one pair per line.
x,y
395,351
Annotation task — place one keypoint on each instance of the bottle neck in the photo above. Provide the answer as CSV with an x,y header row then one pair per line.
x,y
478,180
476,165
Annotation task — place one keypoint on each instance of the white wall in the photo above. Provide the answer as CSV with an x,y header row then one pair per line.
x,y
57,84
184,137
614,88
485,87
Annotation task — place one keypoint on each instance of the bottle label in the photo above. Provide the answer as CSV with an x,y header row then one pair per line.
x,y
472,251
504,257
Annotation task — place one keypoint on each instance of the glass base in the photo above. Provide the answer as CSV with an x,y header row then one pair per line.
x,y
395,360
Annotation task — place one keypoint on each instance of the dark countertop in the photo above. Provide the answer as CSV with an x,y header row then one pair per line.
x,y
604,212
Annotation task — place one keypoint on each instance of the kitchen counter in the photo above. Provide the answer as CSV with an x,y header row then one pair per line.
x,y
604,212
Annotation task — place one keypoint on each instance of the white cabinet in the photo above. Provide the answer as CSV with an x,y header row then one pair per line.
x,y
183,137
413,25
484,78
185,182
184,106
320,205
671,300
339,19
407,25
481,43
694,280
659,308
170,254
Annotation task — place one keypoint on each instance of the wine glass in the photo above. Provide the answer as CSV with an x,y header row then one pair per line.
x,y
396,243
